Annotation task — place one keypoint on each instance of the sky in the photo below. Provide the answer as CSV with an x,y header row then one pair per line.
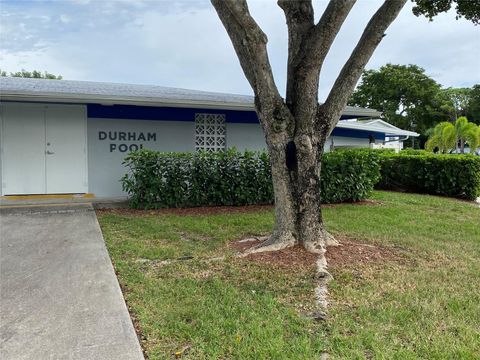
x,y
183,43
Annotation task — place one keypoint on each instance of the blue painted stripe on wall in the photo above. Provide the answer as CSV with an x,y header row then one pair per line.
x,y
134,112
362,134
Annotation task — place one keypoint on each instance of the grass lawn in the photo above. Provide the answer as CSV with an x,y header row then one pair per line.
x,y
407,286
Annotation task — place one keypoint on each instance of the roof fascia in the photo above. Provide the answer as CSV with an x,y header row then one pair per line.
x,y
112,100
368,127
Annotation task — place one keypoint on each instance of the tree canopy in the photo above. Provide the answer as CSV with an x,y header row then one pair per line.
x,y
32,74
412,100
454,102
407,97
468,9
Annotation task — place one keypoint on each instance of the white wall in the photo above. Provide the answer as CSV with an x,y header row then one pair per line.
x,y
245,136
105,156
250,136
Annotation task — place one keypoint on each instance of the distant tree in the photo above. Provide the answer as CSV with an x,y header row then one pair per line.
x,y
406,96
32,74
473,110
469,9
454,102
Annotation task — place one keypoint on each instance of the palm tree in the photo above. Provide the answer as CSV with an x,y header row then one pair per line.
x,y
444,137
461,130
472,137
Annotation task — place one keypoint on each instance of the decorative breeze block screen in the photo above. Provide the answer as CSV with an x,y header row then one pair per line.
x,y
210,131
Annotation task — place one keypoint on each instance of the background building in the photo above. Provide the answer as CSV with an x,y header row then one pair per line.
x,y
70,137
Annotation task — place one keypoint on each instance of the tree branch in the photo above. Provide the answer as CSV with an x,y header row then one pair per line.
x,y
250,44
299,17
351,71
327,29
308,47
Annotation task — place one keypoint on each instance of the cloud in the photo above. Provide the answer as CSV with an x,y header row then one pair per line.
x,y
65,18
183,44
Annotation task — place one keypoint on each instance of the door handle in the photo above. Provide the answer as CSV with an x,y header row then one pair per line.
x,y
48,152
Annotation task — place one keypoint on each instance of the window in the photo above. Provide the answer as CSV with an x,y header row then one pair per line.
x,y
210,132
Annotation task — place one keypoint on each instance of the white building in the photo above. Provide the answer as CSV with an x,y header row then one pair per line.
x,y
70,137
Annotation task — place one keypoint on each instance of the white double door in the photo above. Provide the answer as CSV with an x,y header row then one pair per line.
x,y
44,149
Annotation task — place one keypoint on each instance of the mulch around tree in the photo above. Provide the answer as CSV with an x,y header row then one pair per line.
x,y
295,257
347,254
351,252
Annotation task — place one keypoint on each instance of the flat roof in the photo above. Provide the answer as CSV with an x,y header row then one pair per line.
x,y
106,93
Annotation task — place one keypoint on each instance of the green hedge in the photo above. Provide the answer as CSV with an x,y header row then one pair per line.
x,y
450,175
349,175
157,179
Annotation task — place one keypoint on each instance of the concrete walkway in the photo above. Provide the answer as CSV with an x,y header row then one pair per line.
x,y
60,298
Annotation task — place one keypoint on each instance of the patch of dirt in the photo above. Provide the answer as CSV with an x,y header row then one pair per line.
x,y
348,253
196,211
241,246
351,252
295,257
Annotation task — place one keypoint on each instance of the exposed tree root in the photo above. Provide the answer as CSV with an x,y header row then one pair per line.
x,y
319,247
323,240
255,238
324,277
279,241
330,239
276,241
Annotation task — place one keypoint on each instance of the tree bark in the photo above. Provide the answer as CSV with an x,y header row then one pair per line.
x,y
298,215
285,231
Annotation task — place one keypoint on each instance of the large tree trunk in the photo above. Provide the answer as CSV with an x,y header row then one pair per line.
x,y
298,216
311,231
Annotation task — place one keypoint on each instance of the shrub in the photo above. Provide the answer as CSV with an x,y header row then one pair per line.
x,y
349,175
450,175
170,179
157,179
